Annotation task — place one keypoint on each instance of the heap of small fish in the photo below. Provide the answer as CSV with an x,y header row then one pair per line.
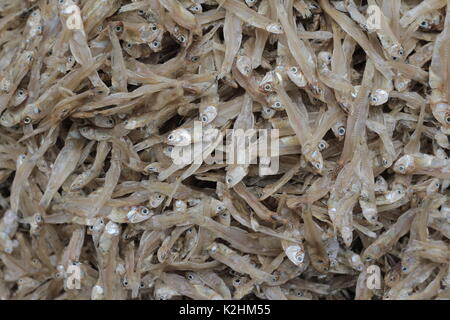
x,y
95,97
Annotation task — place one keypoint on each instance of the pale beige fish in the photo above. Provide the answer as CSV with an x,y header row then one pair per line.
x,y
314,245
298,120
232,40
388,239
420,163
237,262
358,35
250,16
84,178
63,166
119,79
182,16
111,180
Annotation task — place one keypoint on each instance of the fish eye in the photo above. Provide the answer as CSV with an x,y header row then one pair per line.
x,y
402,169
190,277
145,211
321,146
125,283
299,294
404,269
385,163
400,52
61,1
118,28
374,99
204,118
424,24
194,59
268,111
156,44
182,39
195,8
447,119
20,93
141,12
267,87
129,45
294,69
142,285
171,137
27,120
277,104
154,27
341,131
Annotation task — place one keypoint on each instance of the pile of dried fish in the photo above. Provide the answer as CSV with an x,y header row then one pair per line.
x,y
98,99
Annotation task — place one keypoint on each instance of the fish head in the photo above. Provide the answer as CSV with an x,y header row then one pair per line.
x,y
244,65
314,157
235,175
321,264
404,165
8,119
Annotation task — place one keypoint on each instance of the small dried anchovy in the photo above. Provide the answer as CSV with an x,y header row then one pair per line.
x,y
225,149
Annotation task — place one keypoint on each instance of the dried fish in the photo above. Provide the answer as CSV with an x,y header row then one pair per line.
x,y
225,149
